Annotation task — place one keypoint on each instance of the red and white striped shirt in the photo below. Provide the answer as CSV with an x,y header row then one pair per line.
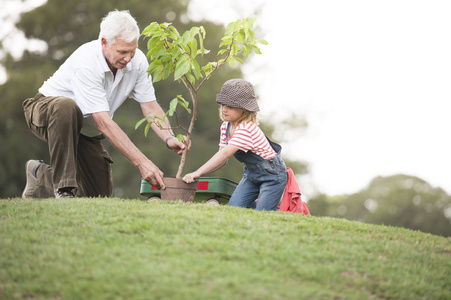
x,y
248,137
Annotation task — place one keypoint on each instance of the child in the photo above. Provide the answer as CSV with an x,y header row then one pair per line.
x,y
265,173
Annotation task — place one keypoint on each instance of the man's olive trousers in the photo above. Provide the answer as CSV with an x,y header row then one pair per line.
x,y
75,160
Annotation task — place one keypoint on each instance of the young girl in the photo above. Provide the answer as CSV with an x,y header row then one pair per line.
x,y
265,173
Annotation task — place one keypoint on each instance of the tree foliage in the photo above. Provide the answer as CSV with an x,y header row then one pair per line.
x,y
399,200
64,26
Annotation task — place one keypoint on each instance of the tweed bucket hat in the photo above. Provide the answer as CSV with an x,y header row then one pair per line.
x,y
238,93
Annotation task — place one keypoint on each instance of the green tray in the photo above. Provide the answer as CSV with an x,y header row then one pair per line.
x,y
211,190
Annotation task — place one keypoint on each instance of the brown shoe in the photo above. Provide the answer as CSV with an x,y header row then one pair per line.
x,y
31,167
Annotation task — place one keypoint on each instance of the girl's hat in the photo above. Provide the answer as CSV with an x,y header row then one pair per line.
x,y
238,93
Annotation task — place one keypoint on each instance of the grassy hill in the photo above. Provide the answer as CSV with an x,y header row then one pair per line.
x,y
132,249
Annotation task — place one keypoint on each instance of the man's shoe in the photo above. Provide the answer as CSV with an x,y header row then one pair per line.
x,y
67,192
31,168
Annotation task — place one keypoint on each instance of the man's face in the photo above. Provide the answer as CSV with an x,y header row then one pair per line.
x,y
119,54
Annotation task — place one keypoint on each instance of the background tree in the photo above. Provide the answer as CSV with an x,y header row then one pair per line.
x,y
399,200
64,26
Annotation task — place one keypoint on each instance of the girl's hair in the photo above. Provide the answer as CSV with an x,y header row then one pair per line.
x,y
246,116
119,24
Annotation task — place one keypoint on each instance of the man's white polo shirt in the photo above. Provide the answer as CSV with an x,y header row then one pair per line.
x,y
86,78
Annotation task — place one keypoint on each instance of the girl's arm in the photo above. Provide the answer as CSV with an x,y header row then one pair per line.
x,y
214,163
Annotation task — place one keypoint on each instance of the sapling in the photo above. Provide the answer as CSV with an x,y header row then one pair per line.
x,y
172,53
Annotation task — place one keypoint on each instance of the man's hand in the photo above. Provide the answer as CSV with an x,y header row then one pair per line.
x,y
152,174
153,108
177,146
149,171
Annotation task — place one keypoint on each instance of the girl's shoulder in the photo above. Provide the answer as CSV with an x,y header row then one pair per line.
x,y
248,126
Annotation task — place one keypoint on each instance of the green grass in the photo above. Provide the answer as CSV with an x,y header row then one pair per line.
x,y
132,249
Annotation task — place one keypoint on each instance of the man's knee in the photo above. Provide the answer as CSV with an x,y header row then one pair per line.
x,y
65,111
66,108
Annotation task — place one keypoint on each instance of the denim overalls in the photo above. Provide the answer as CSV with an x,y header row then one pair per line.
x,y
264,180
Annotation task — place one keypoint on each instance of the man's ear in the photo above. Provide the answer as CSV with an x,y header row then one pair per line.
x,y
104,42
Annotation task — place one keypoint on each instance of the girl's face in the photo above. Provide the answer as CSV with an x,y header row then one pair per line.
x,y
230,114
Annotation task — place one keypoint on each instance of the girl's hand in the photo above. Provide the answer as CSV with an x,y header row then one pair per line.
x,y
190,177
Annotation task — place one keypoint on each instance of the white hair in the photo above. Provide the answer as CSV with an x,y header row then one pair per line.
x,y
119,24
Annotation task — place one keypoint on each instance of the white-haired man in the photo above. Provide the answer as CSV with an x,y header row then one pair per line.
x,y
73,112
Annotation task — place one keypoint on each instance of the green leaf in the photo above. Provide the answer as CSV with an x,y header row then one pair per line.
x,y
154,65
196,69
173,106
241,36
159,124
238,60
245,51
185,104
180,137
185,38
203,51
140,122
149,29
201,38
191,78
232,61
193,31
235,50
222,51
176,53
226,40
146,130
173,33
182,67
238,24
193,47
257,50
229,28
158,74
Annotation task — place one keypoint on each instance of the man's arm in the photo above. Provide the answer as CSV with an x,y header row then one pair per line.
x,y
153,108
117,137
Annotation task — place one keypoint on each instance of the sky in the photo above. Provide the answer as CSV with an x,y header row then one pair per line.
x,y
372,79
11,37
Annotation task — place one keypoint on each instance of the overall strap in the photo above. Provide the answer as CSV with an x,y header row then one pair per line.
x,y
227,133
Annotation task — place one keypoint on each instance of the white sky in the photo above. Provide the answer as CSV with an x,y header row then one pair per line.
x,y
13,39
371,77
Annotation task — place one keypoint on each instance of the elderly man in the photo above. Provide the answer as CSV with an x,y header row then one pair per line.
x,y
73,112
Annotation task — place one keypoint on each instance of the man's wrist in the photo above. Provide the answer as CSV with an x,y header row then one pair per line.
x,y
167,139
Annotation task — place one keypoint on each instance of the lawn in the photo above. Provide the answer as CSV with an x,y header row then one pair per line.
x,y
131,249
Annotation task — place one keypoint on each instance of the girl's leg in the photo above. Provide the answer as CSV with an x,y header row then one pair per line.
x,y
270,194
245,194
273,178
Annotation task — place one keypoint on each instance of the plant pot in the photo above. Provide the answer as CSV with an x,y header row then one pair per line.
x,y
177,189
208,188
